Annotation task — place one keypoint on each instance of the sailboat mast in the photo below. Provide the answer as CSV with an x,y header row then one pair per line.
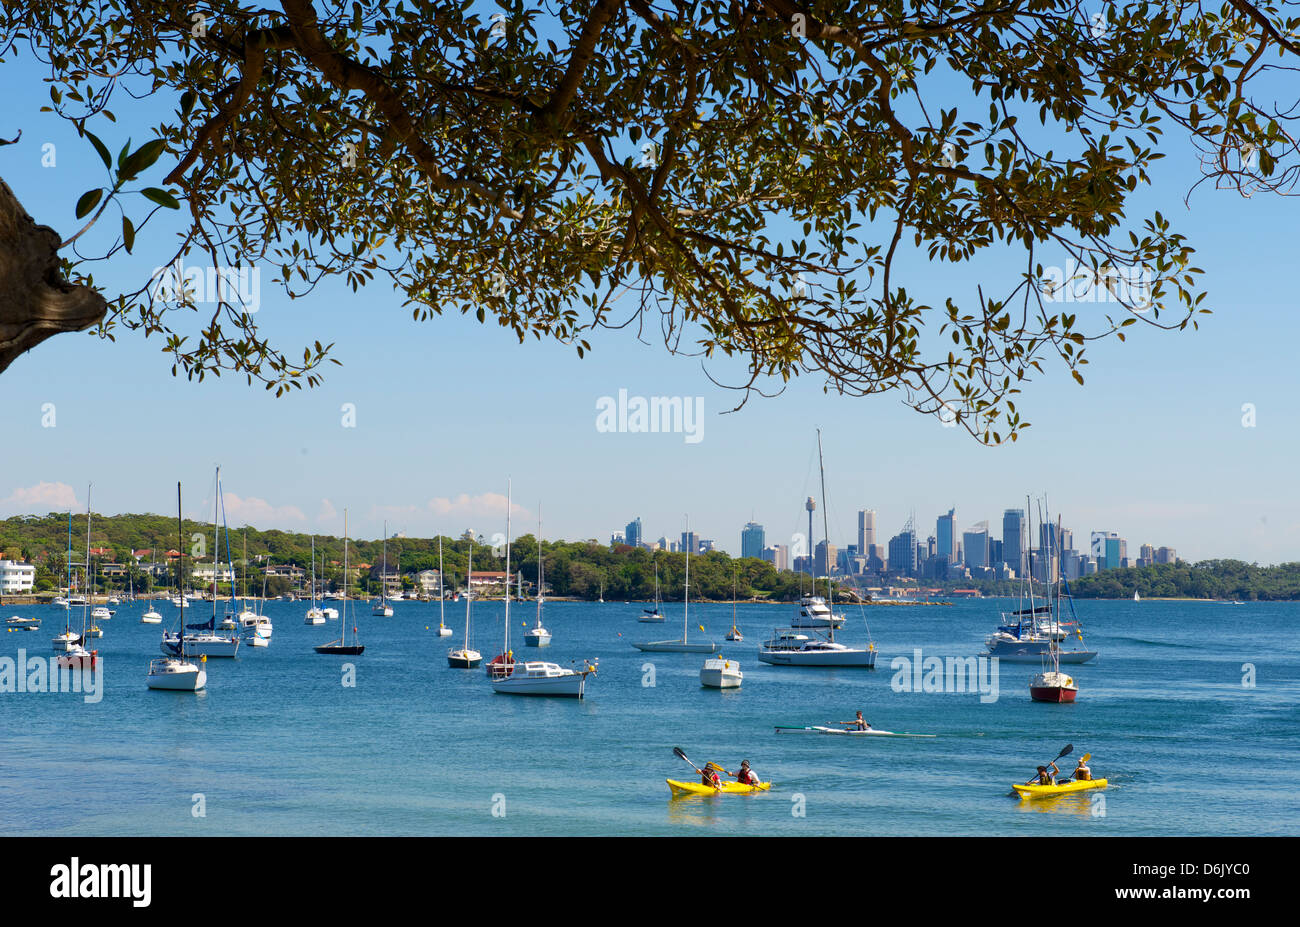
x,y
216,546
67,609
539,564
441,611
826,540
686,611
469,584
506,651
180,563
90,587
344,639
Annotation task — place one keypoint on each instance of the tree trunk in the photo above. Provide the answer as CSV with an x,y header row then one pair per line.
x,y
35,300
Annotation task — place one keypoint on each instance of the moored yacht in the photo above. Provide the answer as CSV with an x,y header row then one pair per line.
x,y
721,673
815,613
536,677
790,647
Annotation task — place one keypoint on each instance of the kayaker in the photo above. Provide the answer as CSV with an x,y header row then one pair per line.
x,y
1082,771
857,724
709,776
746,775
1046,775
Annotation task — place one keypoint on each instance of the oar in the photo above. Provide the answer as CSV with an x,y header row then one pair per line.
x,y
1083,759
679,752
1066,752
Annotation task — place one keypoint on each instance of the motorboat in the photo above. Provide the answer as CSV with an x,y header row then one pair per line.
x,y
151,617
536,677
789,647
176,674
815,613
721,673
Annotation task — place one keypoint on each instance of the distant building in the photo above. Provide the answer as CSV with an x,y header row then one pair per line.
x,y
825,559
975,546
866,532
427,581
690,541
706,545
1013,540
778,555
1166,555
945,534
633,533
902,553
616,538
16,578
752,540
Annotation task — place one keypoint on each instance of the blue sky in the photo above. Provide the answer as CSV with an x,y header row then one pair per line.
x,y
1152,447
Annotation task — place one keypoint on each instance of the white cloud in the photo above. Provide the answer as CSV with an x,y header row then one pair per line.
x,y
327,512
43,497
484,505
259,512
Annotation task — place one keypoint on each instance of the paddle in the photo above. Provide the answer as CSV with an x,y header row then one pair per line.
x,y
682,754
1083,759
1066,752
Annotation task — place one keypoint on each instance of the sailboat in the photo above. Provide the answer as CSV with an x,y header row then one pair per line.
x,y
443,630
383,609
174,671
255,627
465,657
1136,597
602,591
734,634
205,641
503,663
538,636
341,647
683,645
75,654
790,647
65,642
1052,685
314,614
650,615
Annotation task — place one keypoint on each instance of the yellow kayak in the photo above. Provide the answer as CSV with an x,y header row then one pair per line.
x,y
1046,791
729,788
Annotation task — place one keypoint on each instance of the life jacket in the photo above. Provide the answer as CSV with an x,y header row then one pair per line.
x,y
747,776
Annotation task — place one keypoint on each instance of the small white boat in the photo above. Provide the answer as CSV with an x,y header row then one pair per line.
x,y
78,658
176,674
787,647
537,636
100,613
314,616
60,602
815,613
66,642
382,610
535,677
683,645
652,615
331,614
721,673
30,624
151,617
114,600
252,624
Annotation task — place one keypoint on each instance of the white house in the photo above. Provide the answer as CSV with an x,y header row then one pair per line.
x,y
16,578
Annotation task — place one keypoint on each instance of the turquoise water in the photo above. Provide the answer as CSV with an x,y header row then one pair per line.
x,y
278,745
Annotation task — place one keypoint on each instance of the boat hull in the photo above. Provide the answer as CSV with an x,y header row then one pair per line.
x,y
181,677
720,679
675,647
860,659
533,639
844,732
342,650
1058,694
1073,657
463,660
1048,791
555,686
682,789
203,646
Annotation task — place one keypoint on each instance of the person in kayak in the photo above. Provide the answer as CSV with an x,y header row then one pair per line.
x,y
709,776
745,775
1046,775
857,724
1082,771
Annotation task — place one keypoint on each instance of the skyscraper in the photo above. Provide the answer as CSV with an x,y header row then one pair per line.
x,y
691,542
752,540
824,564
633,532
902,552
866,532
975,545
1013,540
945,534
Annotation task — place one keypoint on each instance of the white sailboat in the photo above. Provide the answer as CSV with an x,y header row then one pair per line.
x,y
682,645
443,630
501,666
314,614
175,672
74,653
536,677
466,657
734,634
63,643
653,615
383,609
205,641
789,647
538,636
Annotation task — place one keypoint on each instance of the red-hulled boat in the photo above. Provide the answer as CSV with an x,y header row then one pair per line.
x,y
1053,686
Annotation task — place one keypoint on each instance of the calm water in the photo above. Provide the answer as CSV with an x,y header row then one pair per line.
x,y
278,745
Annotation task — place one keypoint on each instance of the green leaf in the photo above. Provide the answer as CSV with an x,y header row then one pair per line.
x,y
101,148
89,200
128,234
142,158
161,197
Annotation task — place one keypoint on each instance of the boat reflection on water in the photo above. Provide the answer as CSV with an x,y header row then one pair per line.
x,y
1090,804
